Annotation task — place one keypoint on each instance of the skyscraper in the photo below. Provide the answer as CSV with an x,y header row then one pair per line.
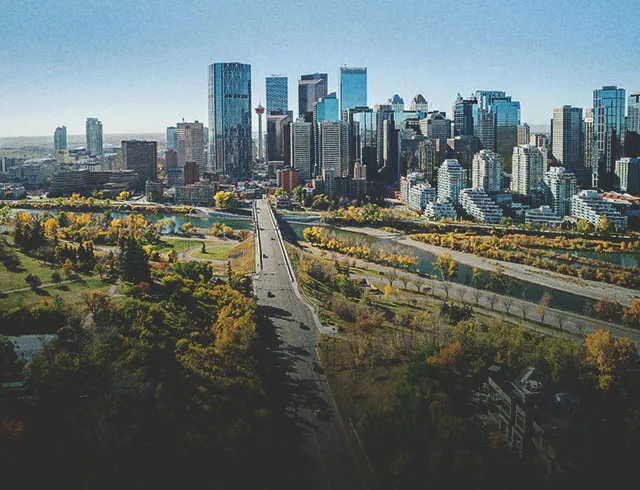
x,y
335,147
310,89
632,137
365,139
397,103
326,109
506,118
277,137
94,136
524,134
587,129
568,142
302,154
230,140
172,142
353,87
451,179
487,171
463,115
528,170
561,186
60,139
141,157
190,143
608,133
419,104
277,94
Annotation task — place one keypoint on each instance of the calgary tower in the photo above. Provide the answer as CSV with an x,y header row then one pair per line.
x,y
260,112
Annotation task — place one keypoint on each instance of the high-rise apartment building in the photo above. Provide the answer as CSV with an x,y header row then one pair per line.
x,y
310,89
561,186
302,151
627,177
277,94
568,142
335,147
528,170
452,179
608,133
172,138
60,139
94,136
487,170
353,87
230,139
190,143
141,157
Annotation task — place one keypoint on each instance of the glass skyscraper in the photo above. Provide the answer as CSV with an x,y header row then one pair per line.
x,y
60,139
310,89
633,113
608,133
172,138
506,119
230,141
326,109
353,88
568,141
277,94
94,136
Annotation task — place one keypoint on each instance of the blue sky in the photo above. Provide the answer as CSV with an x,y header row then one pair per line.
x,y
141,65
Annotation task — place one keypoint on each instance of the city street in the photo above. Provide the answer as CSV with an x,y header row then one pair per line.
x,y
310,406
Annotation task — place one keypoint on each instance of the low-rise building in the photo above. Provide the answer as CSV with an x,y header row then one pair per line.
x,y
477,203
420,195
407,182
440,209
543,215
153,191
12,191
592,207
288,178
198,193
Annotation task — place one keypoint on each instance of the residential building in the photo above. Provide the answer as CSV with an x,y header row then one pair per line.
x,y
407,182
463,116
191,173
568,142
277,94
487,171
60,139
428,157
302,150
310,89
592,207
141,157
541,140
528,170
353,87
561,186
94,136
437,210
628,175
190,143
436,126
420,195
288,178
477,203
335,147
543,215
419,104
230,140
451,179
359,171
172,138
608,133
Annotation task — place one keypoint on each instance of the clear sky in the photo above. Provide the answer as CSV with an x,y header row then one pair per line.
x,y
141,65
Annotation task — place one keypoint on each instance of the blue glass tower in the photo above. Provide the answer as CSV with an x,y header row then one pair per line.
x,y
608,133
353,88
230,141
277,94
326,109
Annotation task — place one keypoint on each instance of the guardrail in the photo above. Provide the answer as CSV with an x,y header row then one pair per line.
x,y
281,243
256,226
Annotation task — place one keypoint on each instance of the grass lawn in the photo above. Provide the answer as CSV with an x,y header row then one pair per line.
x,y
71,293
182,244
242,256
215,252
10,280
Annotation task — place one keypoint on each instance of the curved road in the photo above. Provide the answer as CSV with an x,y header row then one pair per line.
x,y
332,464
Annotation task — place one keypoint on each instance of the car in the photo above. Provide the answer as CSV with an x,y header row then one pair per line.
x,y
272,238
270,295
290,412
304,327
264,256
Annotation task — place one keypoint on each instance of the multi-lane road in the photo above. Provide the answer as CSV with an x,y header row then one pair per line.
x,y
311,409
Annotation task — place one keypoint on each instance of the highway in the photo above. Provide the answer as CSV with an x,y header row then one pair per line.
x,y
325,448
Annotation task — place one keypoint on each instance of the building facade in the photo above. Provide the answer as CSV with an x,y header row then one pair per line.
x,y
94,136
277,93
302,151
60,139
627,177
230,139
591,206
420,195
191,173
528,170
487,171
310,89
608,133
568,142
477,203
141,157
561,185
353,87
190,143
451,180
437,210
335,147
172,138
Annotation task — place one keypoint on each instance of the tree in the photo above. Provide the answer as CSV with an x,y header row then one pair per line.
x,y
67,268
631,316
507,303
98,302
280,192
493,299
605,225
388,290
33,281
447,267
188,229
9,360
203,248
298,193
543,306
123,196
172,256
610,357
224,199
133,261
392,275
56,277
51,229
101,269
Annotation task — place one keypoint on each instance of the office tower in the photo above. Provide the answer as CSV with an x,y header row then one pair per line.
x,y
486,130
397,103
190,143
463,116
364,127
524,132
419,104
452,179
437,126
172,138
310,89
302,151
587,130
353,87
628,175
487,171
191,173
632,136
528,169
335,147
260,112
94,136
171,159
230,140
568,142
60,139
349,116
608,133
141,157
277,94
277,137
561,186
427,158
505,120
326,109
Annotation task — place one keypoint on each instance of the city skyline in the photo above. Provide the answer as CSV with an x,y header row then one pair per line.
x,y
88,79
